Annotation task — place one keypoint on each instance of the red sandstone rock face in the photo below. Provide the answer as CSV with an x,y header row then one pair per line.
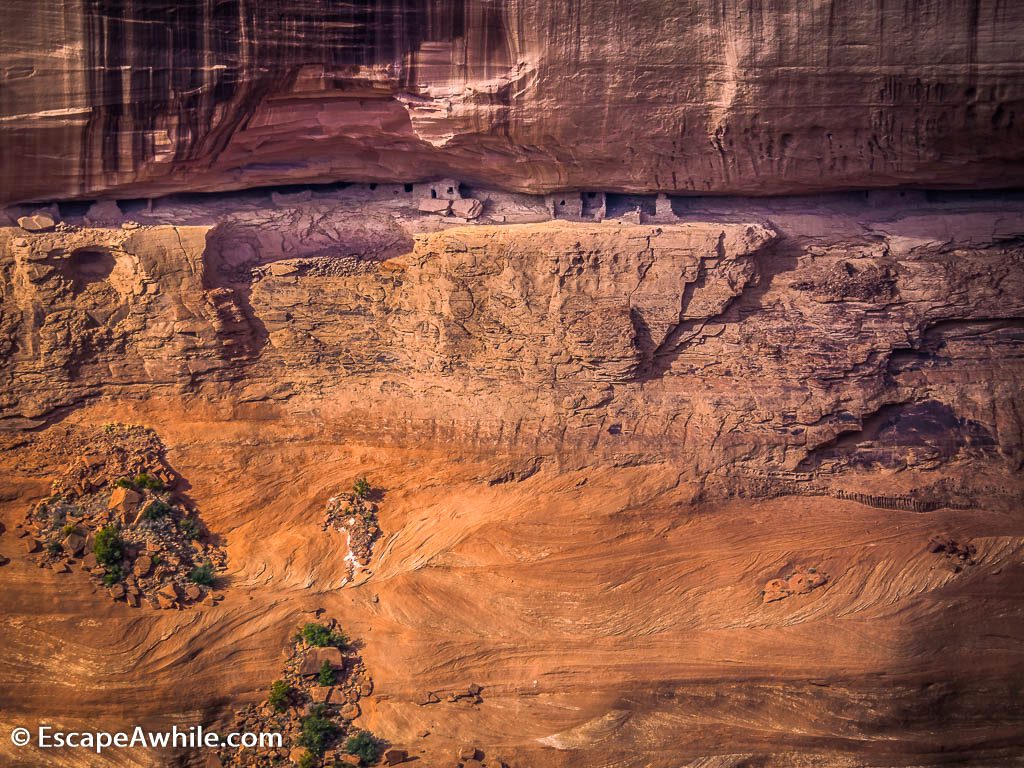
x,y
112,98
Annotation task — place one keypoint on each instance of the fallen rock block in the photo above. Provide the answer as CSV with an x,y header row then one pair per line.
x,y
349,712
321,694
438,206
395,756
37,222
124,500
467,208
315,658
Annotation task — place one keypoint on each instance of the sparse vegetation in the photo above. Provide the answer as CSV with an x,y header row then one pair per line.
x,y
54,548
308,760
142,481
280,692
320,636
108,546
361,488
326,674
317,729
114,574
365,746
203,574
190,527
156,509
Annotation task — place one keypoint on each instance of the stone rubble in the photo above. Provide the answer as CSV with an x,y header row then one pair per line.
x,y
116,478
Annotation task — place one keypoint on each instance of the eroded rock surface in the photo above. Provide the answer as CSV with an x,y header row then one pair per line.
x,y
120,99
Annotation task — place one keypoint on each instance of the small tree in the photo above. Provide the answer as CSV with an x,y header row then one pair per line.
x,y
108,547
203,575
308,760
361,488
280,692
320,636
326,674
364,745
317,729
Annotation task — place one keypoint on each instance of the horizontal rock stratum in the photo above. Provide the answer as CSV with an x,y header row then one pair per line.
x,y
111,98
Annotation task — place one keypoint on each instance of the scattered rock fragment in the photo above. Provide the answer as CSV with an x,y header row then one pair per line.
x,y
803,580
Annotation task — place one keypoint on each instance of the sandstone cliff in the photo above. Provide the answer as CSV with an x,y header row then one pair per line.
x,y
107,98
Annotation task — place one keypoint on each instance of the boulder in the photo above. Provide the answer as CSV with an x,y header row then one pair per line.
x,y
132,599
37,222
467,208
124,500
438,206
117,591
193,592
165,602
167,596
395,756
297,755
315,658
74,543
142,566
89,562
349,712
350,760
776,589
280,269
31,545
469,753
321,694
472,763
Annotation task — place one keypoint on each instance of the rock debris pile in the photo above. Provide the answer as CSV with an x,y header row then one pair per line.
x,y
313,706
113,513
355,514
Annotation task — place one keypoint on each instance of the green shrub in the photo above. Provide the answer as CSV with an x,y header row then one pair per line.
x,y
308,760
203,575
148,482
113,575
108,547
54,548
141,481
326,674
364,745
156,509
190,527
320,636
280,692
68,529
316,730
361,488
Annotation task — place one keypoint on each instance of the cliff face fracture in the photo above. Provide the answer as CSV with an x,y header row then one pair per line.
x,y
110,98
